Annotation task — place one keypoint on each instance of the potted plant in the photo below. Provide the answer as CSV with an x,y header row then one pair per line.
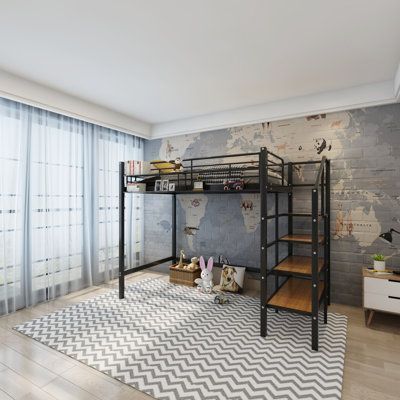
x,y
379,262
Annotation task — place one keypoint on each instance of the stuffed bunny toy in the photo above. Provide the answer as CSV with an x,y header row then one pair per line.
x,y
205,283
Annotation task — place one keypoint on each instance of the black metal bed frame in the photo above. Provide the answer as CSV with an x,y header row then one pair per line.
x,y
320,194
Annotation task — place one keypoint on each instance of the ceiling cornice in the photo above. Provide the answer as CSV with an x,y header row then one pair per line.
x,y
375,94
28,92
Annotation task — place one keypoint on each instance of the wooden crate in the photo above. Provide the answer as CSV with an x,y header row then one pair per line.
x,y
183,276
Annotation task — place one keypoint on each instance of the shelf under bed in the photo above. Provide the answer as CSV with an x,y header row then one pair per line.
x,y
295,295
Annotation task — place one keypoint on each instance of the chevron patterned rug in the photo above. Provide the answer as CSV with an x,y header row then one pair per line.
x,y
172,342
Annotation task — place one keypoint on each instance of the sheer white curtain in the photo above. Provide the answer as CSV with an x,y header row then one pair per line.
x,y
12,186
113,148
58,203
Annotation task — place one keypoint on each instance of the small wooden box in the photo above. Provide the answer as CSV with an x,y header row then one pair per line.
x,y
183,276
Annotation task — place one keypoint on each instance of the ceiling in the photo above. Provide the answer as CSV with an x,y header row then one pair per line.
x,y
183,60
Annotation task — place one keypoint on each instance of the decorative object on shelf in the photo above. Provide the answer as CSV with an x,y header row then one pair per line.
x,y
193,265
171,187
163,167
164,185
379,262
216,175
387,237
181,258
177,163
205,282
157,185
232,278
233,184
198,186
135,186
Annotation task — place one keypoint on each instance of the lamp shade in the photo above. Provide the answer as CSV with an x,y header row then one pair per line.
x,y
386,237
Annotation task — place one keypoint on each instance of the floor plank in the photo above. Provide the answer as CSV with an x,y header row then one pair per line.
x,y
20,364
61,388
17,387
52,360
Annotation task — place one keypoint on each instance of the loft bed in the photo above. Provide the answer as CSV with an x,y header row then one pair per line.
x,y
245,167
301,283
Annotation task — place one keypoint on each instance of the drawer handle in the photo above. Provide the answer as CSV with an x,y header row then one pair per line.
x,y
392,280
394,297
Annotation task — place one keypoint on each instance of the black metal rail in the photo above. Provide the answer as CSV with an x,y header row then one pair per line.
x,y
245,165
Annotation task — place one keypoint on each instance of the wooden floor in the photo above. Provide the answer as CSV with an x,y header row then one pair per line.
x,y
30,370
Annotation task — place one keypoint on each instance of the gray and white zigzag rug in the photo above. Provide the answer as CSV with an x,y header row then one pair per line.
x,y
172,342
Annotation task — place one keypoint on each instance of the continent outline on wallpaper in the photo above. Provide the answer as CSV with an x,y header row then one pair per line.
x,y
194,208
251,214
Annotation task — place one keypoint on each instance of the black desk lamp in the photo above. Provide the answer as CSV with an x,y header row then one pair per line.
x,y
387,236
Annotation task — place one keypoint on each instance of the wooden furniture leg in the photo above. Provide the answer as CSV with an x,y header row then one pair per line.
x,y
369,314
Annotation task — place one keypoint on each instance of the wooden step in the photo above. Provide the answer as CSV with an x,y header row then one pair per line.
x,y
298,265
300,214
301,238
295,294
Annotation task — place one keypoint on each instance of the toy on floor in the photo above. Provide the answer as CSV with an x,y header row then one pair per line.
x,y
193,265
205,282
181,257
221,299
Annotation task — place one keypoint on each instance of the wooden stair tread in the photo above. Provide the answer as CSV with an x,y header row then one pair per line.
x,y
302,214
301,238
295,294
298,265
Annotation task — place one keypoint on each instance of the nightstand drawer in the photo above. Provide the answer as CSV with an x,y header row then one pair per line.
x,y
382,302
382,286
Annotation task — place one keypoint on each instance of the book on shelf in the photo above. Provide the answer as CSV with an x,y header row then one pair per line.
x,y
133,167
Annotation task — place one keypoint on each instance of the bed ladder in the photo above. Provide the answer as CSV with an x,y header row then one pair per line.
x,y
302,283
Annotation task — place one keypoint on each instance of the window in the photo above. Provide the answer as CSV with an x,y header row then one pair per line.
x,y
59,204
56,198
112,149
10,209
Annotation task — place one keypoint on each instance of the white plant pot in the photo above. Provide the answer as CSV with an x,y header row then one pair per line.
x,y
379,265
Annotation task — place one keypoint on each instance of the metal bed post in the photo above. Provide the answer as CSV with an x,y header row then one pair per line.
x,y
174,227
324,196
290,207
263,240
327,248
121,271
314,268
276,240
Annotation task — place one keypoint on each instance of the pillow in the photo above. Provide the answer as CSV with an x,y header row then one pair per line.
x,y
232,278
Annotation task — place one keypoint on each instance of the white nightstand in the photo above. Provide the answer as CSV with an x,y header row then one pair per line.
x,y
381,293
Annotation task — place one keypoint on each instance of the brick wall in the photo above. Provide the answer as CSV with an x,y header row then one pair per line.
x,y
364,146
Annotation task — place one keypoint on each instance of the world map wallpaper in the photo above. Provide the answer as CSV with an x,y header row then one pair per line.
x,y
364,148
